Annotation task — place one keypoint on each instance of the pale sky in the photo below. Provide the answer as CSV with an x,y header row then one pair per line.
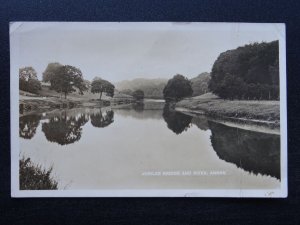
x,y
124,51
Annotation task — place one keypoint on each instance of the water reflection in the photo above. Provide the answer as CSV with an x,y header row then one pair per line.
x,y
138,107
176,121
252,151
102,119
28,125
201,122
64,129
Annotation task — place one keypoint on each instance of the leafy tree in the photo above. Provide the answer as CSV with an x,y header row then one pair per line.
x,y
138,95
50,71
28,80
177,88
99,86
66,79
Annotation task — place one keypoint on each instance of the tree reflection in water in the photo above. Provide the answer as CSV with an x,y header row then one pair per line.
x,y
138,107
102,119
176,121
28,125
64,129
252,151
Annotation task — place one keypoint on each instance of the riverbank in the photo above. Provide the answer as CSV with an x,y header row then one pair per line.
x,y
260,112
36,104
48,100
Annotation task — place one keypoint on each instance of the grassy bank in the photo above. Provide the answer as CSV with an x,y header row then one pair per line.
x,y
34,177
47,100
209,104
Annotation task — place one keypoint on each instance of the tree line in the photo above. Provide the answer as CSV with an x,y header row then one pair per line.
x,y
250,72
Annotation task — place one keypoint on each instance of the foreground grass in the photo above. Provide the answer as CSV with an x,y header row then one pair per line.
x,y
249,110
34,177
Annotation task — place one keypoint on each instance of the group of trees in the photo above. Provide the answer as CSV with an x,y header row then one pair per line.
x,y
63,79
248,72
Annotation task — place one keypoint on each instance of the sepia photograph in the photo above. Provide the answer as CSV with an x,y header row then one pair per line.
x,y
148,109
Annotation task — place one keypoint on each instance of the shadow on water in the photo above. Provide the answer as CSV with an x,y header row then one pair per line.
x,y
176,121
64,129
252,151
28,125
102,119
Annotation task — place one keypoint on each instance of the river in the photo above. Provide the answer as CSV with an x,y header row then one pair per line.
x,y
138,148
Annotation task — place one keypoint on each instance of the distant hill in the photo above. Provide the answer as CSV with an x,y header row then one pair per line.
x,y
153,88
200,84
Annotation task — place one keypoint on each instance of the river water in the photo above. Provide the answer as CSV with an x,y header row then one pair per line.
x,y
132,148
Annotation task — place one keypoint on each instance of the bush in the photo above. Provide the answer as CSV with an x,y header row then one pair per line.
x,y
33,177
